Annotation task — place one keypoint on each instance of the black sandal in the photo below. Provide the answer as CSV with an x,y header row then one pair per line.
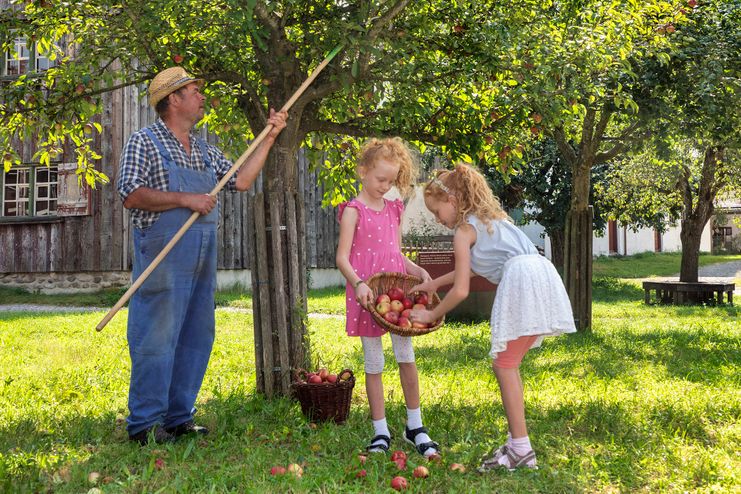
x,y
380,442
410,436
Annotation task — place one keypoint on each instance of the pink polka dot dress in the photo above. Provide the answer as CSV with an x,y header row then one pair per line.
x,y
375,248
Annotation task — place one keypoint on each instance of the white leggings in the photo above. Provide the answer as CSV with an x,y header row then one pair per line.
x,y
373,351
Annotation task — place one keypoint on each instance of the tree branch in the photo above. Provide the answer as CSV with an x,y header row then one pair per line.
x,y
564,147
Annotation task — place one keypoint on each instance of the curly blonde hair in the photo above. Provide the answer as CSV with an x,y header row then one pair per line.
x,y
471,191
394,150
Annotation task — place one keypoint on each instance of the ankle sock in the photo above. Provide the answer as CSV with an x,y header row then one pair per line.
x,y
381,428
520,446
414,421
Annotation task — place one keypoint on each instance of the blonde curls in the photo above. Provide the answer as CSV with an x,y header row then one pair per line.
x,y
394,150
472,193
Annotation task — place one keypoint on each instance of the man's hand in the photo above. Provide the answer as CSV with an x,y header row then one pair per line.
x,y
278,121
200,203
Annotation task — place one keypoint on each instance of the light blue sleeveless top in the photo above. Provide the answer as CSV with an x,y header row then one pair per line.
x,y
492,250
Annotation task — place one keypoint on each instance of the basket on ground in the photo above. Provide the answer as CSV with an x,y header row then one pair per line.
x,y
324,401
381,283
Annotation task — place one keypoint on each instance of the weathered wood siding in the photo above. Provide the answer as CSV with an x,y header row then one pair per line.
x,y
102,241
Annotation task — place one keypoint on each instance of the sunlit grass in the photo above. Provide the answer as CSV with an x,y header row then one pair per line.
x,y
648,402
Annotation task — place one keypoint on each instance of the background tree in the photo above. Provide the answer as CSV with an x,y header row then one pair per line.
x,y
542,187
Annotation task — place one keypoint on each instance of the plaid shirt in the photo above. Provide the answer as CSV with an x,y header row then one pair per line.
x,y
142,166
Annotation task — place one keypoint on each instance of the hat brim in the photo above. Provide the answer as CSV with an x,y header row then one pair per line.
x,y
165,92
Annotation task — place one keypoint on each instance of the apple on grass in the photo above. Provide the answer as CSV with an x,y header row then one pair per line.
x,y
277,470
457,467
361,474
295,469
399,483
398,454
421,472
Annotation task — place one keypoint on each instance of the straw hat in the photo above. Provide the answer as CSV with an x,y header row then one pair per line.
x,y
168,81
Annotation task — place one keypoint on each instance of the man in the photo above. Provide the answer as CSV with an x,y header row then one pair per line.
x,y
165,175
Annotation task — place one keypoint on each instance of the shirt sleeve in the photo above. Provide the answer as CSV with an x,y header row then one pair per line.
x,y
134,167
222,165
398,208
341,208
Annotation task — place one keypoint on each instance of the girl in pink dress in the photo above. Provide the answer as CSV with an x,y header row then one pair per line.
x,y
370,242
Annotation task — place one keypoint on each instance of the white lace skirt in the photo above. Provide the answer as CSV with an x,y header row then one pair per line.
x,y
531,300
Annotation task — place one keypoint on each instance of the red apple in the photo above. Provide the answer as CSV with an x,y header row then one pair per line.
x,y
397,306
404,322
159,463
457,467
277,470
361,474
406,312
295,469
401,463
419,325
537,117
399,483
421,298
692,3
421,472
332,378
314,379
383,308
534,130
398,454
362,459
177,58
395,293
407,302
382,298
392,317
419,307
323,373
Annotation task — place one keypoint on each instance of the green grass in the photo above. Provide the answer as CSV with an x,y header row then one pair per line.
x,y
649,264
649,401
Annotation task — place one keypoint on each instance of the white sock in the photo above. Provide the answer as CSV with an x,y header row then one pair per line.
x,y
414,421
381,428
519,446
414,418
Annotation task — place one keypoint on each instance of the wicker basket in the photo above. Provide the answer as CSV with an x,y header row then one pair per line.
x,y
325,401
381,282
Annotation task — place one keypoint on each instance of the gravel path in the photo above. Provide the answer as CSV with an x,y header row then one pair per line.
x,y
730,269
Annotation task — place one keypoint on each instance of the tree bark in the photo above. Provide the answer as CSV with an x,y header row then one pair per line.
x,y
557,247
697,212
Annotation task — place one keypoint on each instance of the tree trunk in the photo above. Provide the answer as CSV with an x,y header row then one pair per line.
x,y
697,212
279,270
557,247
578,246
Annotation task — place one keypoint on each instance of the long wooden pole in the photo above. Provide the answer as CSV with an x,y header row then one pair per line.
x,y
193,217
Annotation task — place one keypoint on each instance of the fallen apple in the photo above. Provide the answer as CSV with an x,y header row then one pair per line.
x,y
457,467
398,454
401,463
361,474
399,483
277,470
421,472
295,469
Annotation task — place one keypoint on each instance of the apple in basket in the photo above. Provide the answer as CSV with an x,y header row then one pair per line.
x,y
332,378
397,306
383,308
407,302
382,298
419,325
421,298
323,373
345,375
404,322
395,293
392,317
314,379
406,312
419,307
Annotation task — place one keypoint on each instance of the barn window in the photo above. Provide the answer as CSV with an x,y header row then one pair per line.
x,y
22,58
37,191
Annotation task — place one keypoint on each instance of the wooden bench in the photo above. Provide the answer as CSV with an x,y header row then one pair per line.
x,y
672,291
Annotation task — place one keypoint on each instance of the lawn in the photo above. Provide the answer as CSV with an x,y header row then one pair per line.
x,y
649,401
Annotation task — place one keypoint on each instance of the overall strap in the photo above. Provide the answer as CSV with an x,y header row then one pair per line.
x,y
204,151
167,158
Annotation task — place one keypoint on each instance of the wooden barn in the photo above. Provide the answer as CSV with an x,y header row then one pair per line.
x,y
57,235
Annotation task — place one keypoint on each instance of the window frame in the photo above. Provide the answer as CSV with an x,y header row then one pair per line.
x,y
32,185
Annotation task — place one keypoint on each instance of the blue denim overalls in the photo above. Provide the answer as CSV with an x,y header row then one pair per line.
x,y
171,316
